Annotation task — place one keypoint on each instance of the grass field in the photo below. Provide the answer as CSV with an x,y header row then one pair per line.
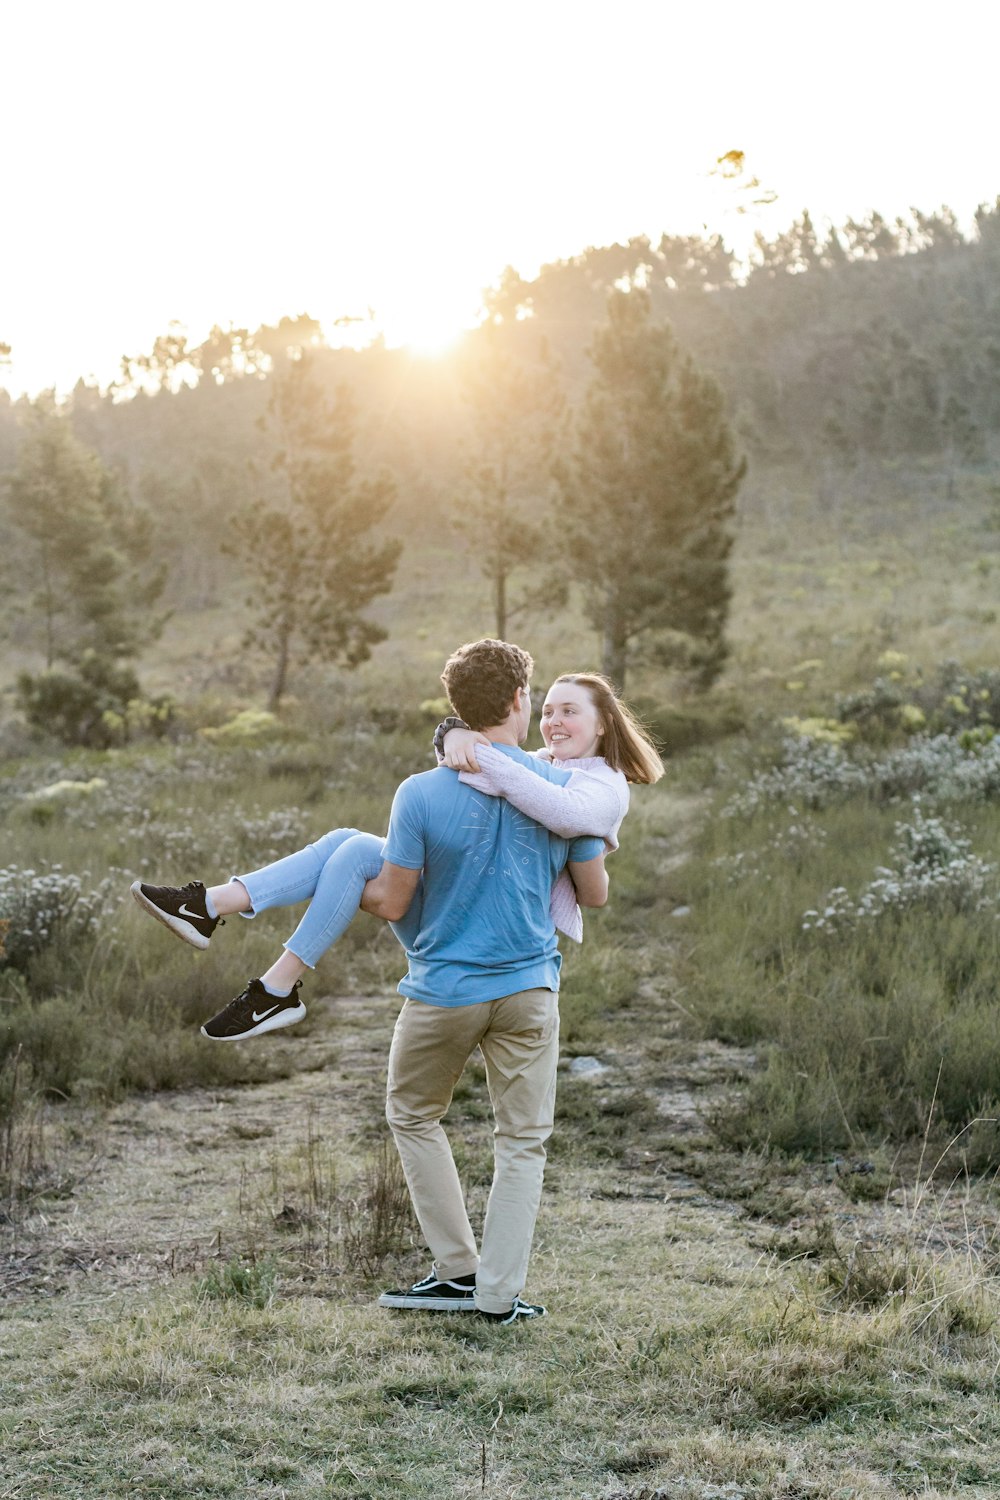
x,y
196,1317
769,1236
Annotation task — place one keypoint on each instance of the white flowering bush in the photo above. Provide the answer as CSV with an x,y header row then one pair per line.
x,y
190,839
812,772
942,767
934,867
818,774
36,905
154,838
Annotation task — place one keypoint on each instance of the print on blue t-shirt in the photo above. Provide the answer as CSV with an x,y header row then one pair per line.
x,y
484,926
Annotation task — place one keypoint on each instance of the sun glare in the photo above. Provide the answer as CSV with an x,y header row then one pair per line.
x,y
427,314
430,329
431,341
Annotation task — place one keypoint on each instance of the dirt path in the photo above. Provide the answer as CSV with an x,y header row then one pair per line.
x,y
164,1184
157,1179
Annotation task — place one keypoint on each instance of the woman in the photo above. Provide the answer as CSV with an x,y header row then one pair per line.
x,y
586,728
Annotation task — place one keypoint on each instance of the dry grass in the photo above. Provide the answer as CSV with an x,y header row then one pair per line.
x,y
683,1356
820,588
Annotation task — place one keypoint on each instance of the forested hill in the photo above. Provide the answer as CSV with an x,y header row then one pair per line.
x,y
879,340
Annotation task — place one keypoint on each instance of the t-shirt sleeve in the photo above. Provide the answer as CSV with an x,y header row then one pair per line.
x,y
404,843
581,850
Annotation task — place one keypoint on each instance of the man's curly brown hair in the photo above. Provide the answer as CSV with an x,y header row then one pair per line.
x,y
481,679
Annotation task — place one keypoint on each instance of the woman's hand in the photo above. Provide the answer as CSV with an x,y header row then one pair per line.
x,y
460,749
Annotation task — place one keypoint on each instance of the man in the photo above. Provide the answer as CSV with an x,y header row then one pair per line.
x,y
483,972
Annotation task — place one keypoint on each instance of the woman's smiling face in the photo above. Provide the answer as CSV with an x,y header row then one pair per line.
x,y
571,725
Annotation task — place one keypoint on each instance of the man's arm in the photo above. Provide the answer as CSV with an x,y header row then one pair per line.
x,y
389,895
591,881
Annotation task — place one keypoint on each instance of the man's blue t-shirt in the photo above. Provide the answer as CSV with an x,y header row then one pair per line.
x,y
484,928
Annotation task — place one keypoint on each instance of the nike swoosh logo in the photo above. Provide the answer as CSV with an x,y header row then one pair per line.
x,y
265,1013
182,911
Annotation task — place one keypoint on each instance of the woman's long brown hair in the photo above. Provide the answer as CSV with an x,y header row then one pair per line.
x,y
625,744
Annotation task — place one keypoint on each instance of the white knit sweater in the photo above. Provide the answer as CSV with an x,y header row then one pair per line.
x,y
594,801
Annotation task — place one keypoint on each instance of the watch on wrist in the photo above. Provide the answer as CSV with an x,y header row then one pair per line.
x,y
442,730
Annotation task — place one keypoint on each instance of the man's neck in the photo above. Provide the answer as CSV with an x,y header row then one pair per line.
x,y
502,734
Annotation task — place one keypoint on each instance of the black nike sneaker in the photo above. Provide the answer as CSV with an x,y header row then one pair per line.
x,y
179,907
254,1012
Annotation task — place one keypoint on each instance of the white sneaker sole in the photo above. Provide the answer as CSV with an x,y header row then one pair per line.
x,y
177,925
426,1304
270,1023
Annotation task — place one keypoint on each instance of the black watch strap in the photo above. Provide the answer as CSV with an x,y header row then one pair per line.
x,y
442,730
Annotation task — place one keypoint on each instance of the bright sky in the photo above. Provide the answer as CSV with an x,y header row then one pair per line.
x,y
233,161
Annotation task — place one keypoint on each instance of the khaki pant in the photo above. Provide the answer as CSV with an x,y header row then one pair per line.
x,y
519,1038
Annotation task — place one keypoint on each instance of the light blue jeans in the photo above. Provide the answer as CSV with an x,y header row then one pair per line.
x,y
331,875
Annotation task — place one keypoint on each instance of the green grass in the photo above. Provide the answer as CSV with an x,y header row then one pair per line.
x,y
866,1031
788,1291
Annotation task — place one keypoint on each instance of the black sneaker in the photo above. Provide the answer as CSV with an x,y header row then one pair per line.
x,y
179,907
254,1012
432,1295
517,1314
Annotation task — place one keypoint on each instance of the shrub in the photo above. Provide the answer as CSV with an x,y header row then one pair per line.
x,y
830,731
876,712
810,772
819,773
35,906
72,702
958,700
953,702
249,726
935,869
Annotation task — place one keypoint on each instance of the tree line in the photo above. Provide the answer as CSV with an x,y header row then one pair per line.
x,y
587,433
636,492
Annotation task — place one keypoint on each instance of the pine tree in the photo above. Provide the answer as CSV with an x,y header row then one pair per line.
x,y
85,552
312,563
87,584
516,405
648,499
